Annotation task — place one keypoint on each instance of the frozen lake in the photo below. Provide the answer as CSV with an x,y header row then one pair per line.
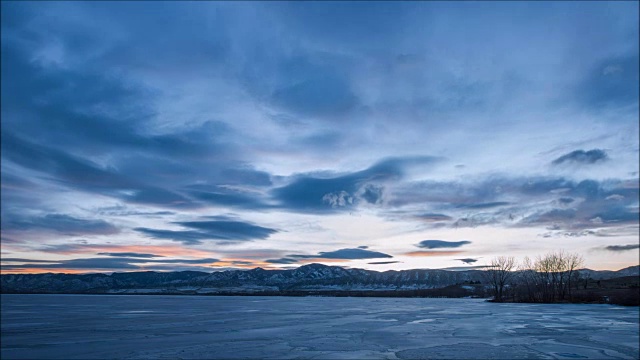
x,y
156,327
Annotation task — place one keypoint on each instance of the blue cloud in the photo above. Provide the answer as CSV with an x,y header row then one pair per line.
x,y
130,255
433,217
59,223
23,260
582,157
282,261
618,248
468,260
110,263
551,216
186,237
441,244
226,230
217,195
63,166
484,205
343,254
325,195
230,230
149,195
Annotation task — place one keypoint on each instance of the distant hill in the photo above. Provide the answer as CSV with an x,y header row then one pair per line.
x,y
307,279
608,274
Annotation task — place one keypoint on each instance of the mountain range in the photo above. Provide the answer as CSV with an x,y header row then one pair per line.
x,y
307,279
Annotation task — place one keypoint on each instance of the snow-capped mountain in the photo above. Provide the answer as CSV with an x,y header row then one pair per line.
x,y
313,277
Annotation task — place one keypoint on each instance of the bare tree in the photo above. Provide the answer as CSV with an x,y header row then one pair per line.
x,y
552,276
498,274
527,284
573,262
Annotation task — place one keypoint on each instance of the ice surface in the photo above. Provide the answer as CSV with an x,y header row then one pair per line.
x,y
188,327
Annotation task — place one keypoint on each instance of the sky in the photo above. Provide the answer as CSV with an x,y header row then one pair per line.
x,y
379,135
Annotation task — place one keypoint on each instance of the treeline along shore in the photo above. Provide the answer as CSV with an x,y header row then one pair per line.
x,y
502,280
556,278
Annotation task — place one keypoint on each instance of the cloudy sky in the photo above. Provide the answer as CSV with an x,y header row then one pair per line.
x,y
214,135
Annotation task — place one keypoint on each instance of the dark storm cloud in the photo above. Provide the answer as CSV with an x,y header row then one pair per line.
x,y
344,254
59,223
330,194
622,247
226,230
382,262
582,157
441,244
